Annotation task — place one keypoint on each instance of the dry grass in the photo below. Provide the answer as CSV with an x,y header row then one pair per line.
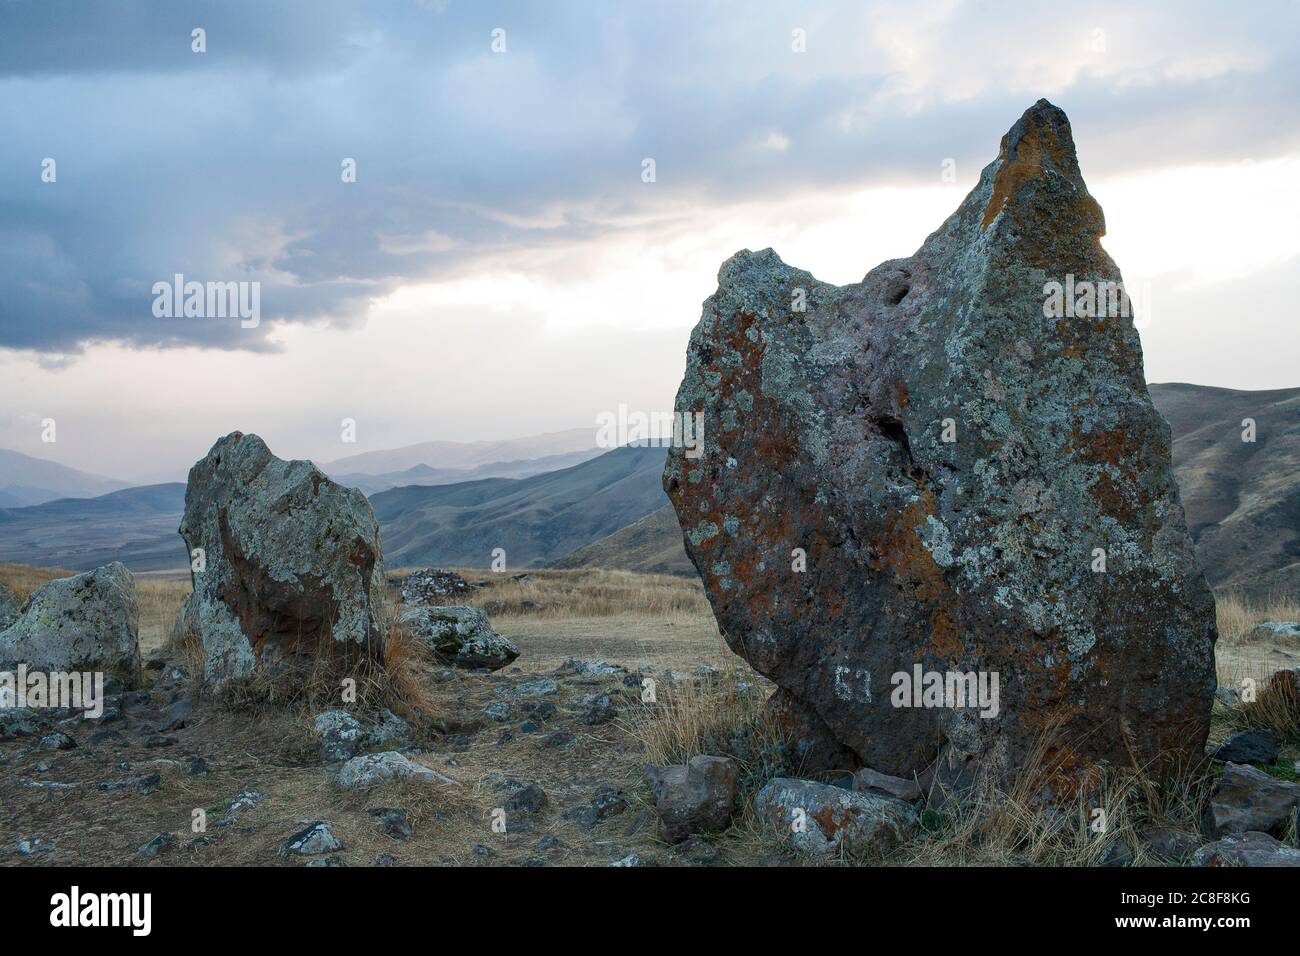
x,y
22,580
584,593
724,715
1238,615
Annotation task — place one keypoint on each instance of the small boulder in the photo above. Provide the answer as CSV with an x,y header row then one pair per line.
x,y
343,736
88,622
460,636
1247,849
159,844
593,668
434,586
1248,746
314,839
1275,631
867,780
57,741
362,772
1247,799
536,688
501,711
819,818
695,797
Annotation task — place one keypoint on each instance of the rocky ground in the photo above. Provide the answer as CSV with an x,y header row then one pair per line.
x,y
555,745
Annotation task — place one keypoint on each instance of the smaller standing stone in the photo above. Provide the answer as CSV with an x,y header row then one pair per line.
x,y
695,797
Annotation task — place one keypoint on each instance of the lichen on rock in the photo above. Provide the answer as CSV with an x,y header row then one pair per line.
x,y
950,460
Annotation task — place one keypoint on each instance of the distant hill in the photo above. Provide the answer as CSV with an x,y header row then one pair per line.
x,y
536,520
463,455
136,526
25,480
1242,499
426,475
651,545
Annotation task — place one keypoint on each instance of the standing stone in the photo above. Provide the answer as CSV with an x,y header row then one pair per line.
x,y
927,469
89,622
293,561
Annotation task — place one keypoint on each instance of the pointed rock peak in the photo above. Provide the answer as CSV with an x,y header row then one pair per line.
x,y
1040,146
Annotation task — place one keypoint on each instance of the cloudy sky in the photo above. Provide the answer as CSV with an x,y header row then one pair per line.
x,y
500,268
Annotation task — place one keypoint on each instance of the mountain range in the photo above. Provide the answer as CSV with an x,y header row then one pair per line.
x,y
578,507
25,480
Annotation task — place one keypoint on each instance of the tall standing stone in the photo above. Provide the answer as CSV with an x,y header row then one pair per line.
x,y
977,480
291,562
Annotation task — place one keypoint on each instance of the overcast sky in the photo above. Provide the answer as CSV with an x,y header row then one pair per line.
x,y
500,268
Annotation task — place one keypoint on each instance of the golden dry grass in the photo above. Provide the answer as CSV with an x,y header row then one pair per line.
x,y
584,593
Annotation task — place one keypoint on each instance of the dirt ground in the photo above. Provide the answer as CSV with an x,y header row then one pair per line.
x,y
596,810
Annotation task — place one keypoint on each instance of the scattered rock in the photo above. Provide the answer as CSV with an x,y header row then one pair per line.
x,y
560,740
159,844
314,839
867,780
460,636
818,818
198,767
695,797
34,847
536,688
146,784
88,622
1247,849
178,716
1275,631
395,822
630,860
330,861
1248,746
608,802
371,769
500,711
970,550
57,741
20,722
343,736
434,586
246,800
293,561
524,797
1247,799
1168,845
594,668
385,859
597,709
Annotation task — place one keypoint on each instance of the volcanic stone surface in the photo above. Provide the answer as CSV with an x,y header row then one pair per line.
x,y
949,458
292,561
